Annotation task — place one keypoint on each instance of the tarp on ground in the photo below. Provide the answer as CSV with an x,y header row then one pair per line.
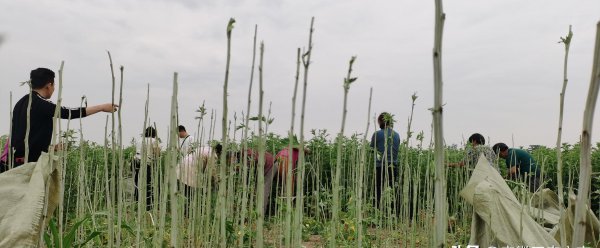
x,y
28,194
592,228
499,219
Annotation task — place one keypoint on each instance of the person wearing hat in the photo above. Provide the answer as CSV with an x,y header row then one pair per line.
x,y
41,113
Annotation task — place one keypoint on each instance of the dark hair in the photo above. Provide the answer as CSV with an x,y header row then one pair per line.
x,y
40,77
181,128
150,132
218,149
477,138
385,119
499,147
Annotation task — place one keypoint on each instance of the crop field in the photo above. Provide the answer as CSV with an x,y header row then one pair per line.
x,y
97,213
329,199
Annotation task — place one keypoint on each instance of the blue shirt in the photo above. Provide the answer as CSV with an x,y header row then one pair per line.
x,y
382,139
522,160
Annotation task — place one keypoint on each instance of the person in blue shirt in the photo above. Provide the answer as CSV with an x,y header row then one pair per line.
x,y
386,143
521,165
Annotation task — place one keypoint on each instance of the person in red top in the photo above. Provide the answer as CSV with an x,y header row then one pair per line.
x,y
283,161
252,156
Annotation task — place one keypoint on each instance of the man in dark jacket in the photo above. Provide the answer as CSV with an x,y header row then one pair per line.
x,y
41,113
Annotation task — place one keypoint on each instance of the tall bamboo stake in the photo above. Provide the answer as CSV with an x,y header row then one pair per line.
x,y
112,189
120,161
297,238
261,156
338,169
562,229
288,180
359,181
172,158
439,236
107,186
222,179
585,176
55,137
245,147
142,174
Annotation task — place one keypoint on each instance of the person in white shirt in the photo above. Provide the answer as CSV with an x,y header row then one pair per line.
x,y
185,147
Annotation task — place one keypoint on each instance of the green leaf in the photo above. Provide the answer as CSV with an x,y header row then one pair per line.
x,y
89,238
127,228
54,232
70,237
47,240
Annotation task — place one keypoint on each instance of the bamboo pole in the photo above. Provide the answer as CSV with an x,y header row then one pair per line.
x,y
55,137
288,185
562,229
261,156
297,236
338,169
439,235
142,174
585,168
245,147
112,188
172,169
222,179
360,175
120,161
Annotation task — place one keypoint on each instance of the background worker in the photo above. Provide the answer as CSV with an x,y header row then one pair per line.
x,y
152,152
521,165
475,147
386,143
185,147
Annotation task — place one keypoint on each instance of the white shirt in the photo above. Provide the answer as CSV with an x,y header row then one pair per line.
x,y
189,165
151,148
186,145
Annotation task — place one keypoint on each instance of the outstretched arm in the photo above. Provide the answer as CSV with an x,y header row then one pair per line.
x,y
107,107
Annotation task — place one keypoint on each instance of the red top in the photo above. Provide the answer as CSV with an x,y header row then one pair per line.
x,y
253,155
284,155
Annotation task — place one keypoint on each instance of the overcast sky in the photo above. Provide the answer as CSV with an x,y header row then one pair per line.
x,y
502,65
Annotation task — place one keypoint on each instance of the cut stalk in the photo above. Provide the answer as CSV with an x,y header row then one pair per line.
x,y
172,158
120,161
585,171
439,235
297,237
562,229
245,147
359,181
222,171
338,169
288,185
55,135
261,156
113,162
